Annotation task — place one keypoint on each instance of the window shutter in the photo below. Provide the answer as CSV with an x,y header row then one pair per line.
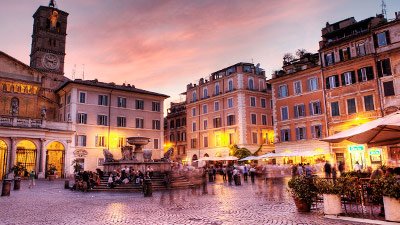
x,y
337,80
379,66
333,57
317,83
99,100
359,73
348,52
319,107
313,134
387,37
76,140
304,133
328,86
303,110
296,113
325,58
282,135
311,109
297,133
309,85
96,141
343,79
353,77
387,67
375,41
84,140
341,55
370,73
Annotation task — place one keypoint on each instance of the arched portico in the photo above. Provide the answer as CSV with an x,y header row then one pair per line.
x,y
55,155
26,154
3,158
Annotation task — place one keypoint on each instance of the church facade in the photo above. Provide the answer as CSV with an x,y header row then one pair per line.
x,y
42,126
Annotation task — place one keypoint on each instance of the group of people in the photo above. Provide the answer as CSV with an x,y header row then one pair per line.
x,y
232,173
87,180
126,175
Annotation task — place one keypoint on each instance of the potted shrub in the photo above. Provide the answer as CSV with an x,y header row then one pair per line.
x,y
51,172
331,192
391,198
303,192
18,169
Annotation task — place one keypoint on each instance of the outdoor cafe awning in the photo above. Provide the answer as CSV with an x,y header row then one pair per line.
x,y
293,154
225,158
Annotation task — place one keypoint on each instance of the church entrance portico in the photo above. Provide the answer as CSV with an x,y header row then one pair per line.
x,y
55,156
26,155
3,158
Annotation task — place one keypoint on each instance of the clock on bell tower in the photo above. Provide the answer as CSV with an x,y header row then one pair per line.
x,y
48,39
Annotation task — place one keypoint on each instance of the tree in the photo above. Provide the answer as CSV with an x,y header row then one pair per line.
x,y
301,52
287,57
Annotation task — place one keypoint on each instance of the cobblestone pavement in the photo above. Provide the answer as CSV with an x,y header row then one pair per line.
x,y
265,202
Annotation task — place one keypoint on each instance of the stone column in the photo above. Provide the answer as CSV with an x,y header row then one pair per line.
x,y
67,159
42,158
12,152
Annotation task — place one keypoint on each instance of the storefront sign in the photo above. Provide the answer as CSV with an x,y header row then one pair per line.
x,y
375,152
355,148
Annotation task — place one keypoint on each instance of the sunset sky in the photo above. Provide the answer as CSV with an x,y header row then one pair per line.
x,y
162,45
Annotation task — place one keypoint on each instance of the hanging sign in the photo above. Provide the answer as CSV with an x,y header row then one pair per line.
x,y
375,152
356,148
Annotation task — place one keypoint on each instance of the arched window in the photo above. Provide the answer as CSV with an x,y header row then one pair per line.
x,y
205,93
217,89
251,83
171,137
14,106
194,96
230,85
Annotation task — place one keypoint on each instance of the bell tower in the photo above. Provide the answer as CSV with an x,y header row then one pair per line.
x,y
48,39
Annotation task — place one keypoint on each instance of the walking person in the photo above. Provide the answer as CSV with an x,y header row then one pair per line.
x,y
327,169
341,168
224,173
230,175
245,173
252,174
32,179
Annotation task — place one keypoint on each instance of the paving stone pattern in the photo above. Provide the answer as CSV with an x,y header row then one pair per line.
x,y
265,202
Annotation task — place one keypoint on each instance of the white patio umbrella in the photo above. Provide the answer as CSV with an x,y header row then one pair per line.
x,y
382,131
249,158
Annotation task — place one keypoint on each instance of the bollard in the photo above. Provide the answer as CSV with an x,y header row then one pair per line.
x,y
147,188
17,183
6,187
66,184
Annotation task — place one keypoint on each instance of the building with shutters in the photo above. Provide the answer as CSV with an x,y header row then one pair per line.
x,y
175,131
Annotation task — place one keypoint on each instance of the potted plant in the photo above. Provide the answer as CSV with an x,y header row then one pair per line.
x,y
303,192
77,166
17,169
391,198
51,172
331,191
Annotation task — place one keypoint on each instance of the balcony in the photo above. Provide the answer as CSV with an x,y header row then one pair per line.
x,y
6,121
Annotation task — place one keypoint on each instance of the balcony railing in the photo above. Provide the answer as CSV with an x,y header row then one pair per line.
x,y
33,123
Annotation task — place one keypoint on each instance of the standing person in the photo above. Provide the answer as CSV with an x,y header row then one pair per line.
x,y
31,179
214,171
334,172
357,167
245,173
294,170
308,170
327,169
341,168
224,173
230,175
300,169
252,174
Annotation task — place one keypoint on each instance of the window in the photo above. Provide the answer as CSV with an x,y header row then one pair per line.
x,y
253,101
178,123
285,135
69,99
139,104
102,120
360,48
121,102
82,118
332,82
172,124
193,111
299,111
156,144
155,107
297,87
205,93
230,102
217,140
253,118
193,143
348,78
205,124
247,69
335,109
183,136
251,83
384,68
312,84
230,85
263,103
284,113
351,106
230,120
300,133
369,103
216,106
365,74
231,138
264,119
283,91
382,39
80,140
121,142
217,122
139,123
194,96
171,137
205,142
254,138
156,125
100,141
103,100
388,88
121,121
204,109
329,59
315,108
344,54
82,97
217,91
184,121
316,131
194,126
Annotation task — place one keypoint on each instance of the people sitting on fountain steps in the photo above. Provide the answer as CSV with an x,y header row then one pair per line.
x,y
110,182
150,171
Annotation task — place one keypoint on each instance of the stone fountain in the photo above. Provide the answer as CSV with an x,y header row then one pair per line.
x,y
134,156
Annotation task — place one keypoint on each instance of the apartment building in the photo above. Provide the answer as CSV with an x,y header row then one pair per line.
x,y
175,131
105,114
299,111
232,106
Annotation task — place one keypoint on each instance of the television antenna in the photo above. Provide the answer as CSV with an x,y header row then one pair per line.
x,y
383,6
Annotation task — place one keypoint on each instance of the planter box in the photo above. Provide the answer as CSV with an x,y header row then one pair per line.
x,y
302,206
51,177
392,207
332,204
